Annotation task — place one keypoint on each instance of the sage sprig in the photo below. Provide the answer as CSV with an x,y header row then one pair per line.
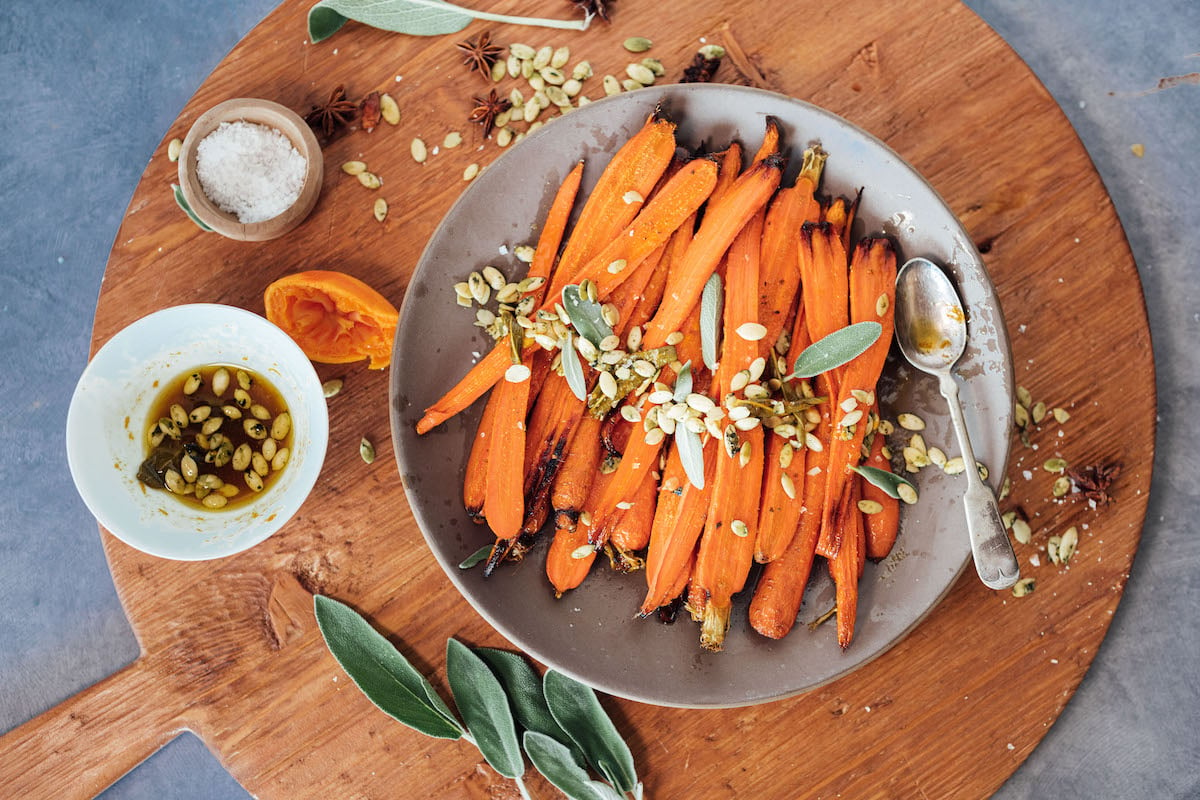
x,y
687,441
557,721
712,304
587,316
182,202
573,367
889,482
414,17
836,349
478,557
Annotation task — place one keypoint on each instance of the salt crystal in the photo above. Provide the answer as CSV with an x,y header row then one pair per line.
x,y
249,170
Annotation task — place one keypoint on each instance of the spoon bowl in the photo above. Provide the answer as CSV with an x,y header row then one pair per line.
x,y
931,330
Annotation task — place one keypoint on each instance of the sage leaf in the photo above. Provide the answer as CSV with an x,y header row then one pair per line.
x,y
415,17
586,316
523,686
573,368
691,455
683,383
579,713
382,673
182,202
889,482
837,348
712,306
481,701
553,759
477,557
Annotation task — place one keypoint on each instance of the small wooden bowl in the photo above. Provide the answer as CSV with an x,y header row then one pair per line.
x,y
272,115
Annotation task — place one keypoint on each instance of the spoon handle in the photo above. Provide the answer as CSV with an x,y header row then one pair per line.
x,y
994,558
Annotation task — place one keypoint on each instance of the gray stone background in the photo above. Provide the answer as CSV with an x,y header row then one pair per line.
x,y
88,89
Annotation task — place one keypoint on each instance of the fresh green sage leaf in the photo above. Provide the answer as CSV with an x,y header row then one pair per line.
x,y
683,383
712,306
553,759
481,701
573,368
889,482
477,557
415,17
836,349
182,202
579,713
524,688
382,673
691,455
586,316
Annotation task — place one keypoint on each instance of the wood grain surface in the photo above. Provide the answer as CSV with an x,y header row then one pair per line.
x,y
230,648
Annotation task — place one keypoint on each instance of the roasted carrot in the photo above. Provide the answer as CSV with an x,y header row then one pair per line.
x,y
825,279
780,589
730,529
632,530
730,160
882,526
872,297
580,465
636,166
468,390
722,221
569,559
784,474
503,503
770,142
475,477
840,215
845,569
678,521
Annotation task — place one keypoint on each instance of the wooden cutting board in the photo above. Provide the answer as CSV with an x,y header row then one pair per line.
x,y
230,649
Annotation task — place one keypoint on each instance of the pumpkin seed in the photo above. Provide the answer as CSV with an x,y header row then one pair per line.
x,y
560,57
655,66
173,148
521,51
751,331
739,529
542,57
210,482
231,412
630,85
174,481
907,493
1038,412
870,506
471,171
611,85
527,69
280,459
353,168
504,137
269,446
494,277
241,457
366,450
211,425
369,180
882,304
1021,530
331,387
244,380
389,109
259,411
1067,544
552,77
937,457
228,490
1023,587
223,454
419,151
572,87
655,436
1062,485
1055,465
852,418
242,398
789,486
532,109
168,427
188,468
954,466
178,415
1060,415
499,68
214,501
254,429
640,73
1024,397
259,464
453,139
637,44
538,84
582,71
220,381
199,413
517,373
380,209
557,96
910,422
583,551
480,291
524,253
1021,416
253,480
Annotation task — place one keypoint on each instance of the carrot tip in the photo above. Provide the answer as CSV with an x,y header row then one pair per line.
x,y
714,626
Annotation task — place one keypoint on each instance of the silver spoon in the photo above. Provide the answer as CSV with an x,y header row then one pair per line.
x,y
932,331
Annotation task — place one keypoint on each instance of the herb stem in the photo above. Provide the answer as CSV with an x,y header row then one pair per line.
x,y
524,791
566,24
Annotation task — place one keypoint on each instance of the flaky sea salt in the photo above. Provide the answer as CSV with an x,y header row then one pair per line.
x,y
250,170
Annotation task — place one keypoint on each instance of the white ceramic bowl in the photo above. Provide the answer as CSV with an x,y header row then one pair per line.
x,y
106,441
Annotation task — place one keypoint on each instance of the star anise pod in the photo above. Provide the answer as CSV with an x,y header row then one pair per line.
x,y
487,109
598,8
704,65
1093,481
334,113
479,54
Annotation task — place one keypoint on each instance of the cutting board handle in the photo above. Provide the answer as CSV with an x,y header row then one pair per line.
x,y
86,743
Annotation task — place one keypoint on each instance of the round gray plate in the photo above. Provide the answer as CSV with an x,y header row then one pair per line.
x,y
591,633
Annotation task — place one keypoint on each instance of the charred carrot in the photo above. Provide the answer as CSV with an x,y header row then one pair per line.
x,y
632,529
845,569
840,215
730,160
475,477
872,296
722,221
770,142
881,526
825,278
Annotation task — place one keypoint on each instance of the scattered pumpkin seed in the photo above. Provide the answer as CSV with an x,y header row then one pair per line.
x,y
1060,415
870,506
471,171
215,501
1052,549
739,528
1021,416
882,304
173,148
751,331
1024,397
419,151
789,486
522,51
640,73
369,180
1055,465
1067,544
611,85
583,551
954,466
253,480
453,139
630,85
280,459
542,57
366,450
504,137
524,253
907,493
910,422
557,96
637,44
389,109
380,209
560,57
1062,485
1021,530
518,373
331,387
655,66
192,384
499,68
552,77
1023,587
220,381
